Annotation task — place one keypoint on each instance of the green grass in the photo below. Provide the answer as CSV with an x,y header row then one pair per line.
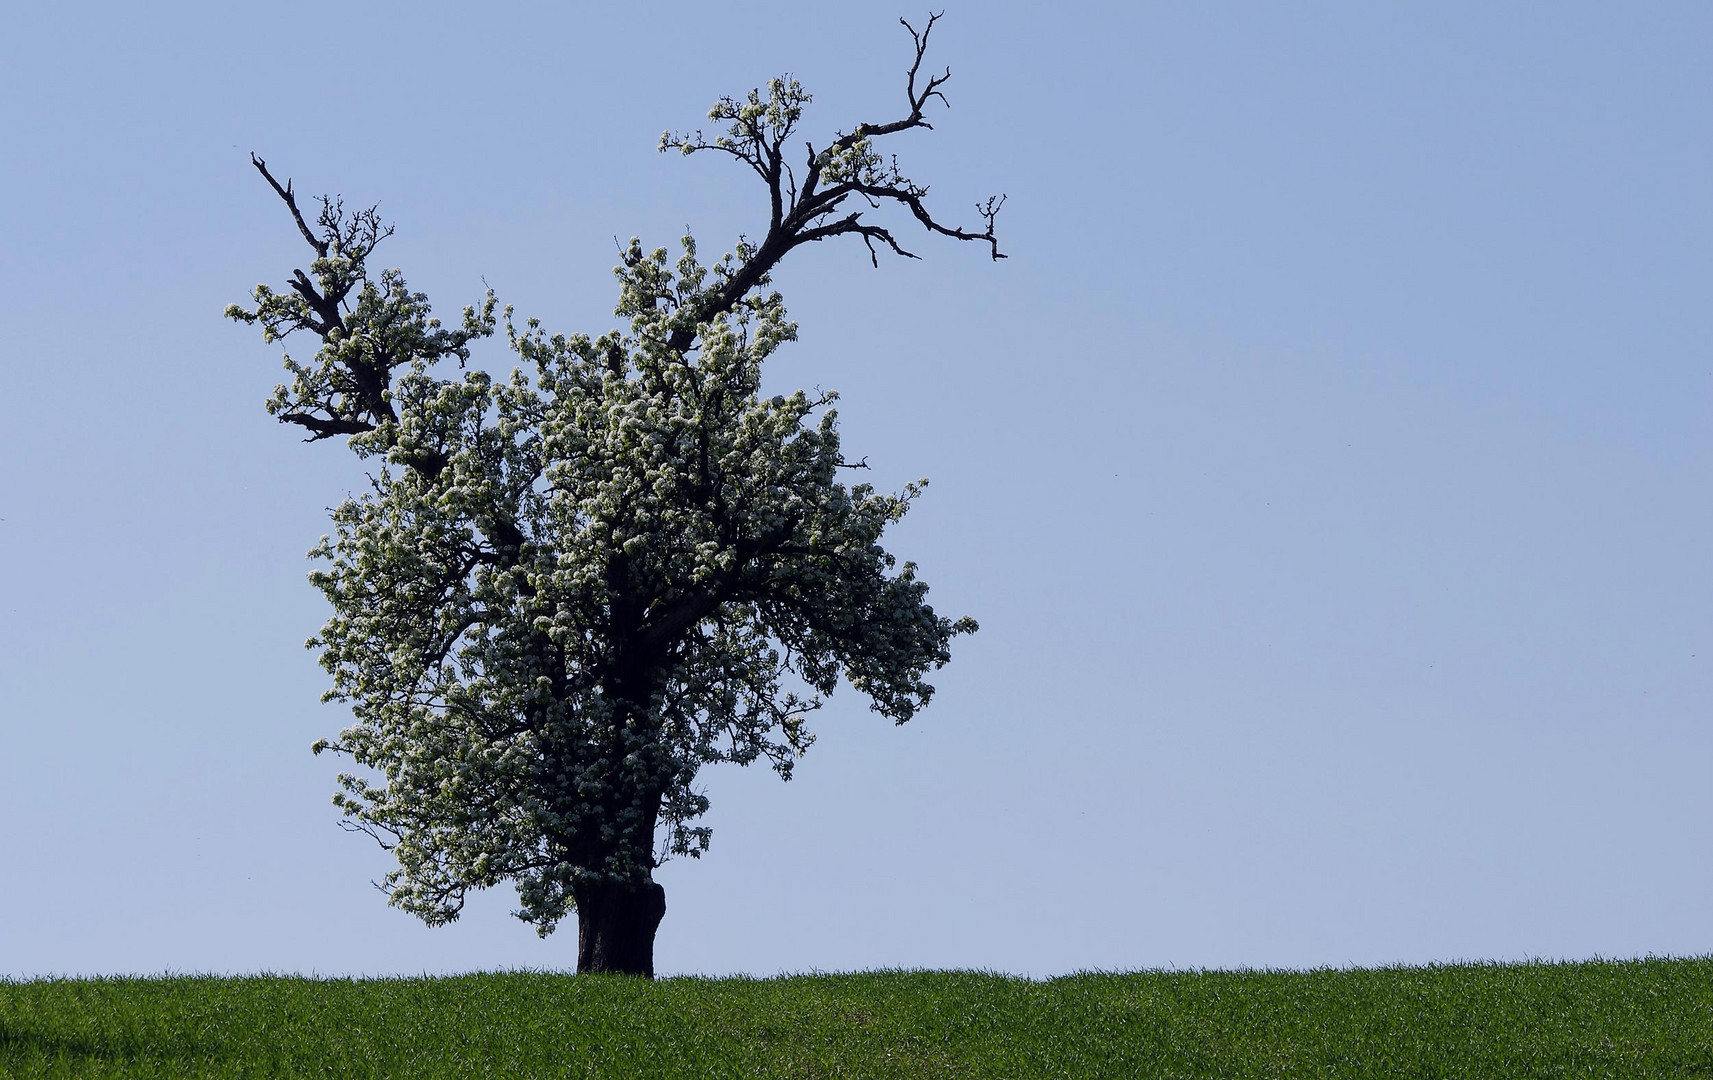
x,y
1629,1019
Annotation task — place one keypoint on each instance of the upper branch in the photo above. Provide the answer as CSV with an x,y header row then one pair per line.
x,y
285,193
805,212
370,327
918,102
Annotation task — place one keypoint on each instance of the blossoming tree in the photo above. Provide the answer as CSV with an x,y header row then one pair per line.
x,y
570,590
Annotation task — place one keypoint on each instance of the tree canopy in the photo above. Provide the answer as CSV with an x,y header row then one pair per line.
x,y
570,589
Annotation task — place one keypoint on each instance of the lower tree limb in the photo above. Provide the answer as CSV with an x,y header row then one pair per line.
x,y
616,925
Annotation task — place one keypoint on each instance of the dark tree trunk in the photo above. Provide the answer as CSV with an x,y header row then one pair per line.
x,y
616,925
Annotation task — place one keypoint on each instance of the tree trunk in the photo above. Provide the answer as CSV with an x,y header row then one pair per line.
x,y
616,925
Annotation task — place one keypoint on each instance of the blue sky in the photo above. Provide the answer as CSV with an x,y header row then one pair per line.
x,y
1328,468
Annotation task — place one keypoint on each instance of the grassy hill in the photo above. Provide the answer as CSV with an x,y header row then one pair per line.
x,y
1629,1019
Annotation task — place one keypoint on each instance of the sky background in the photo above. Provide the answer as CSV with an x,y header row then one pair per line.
x,y
1328,468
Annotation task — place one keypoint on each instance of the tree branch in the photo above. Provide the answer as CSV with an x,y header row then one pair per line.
x,y
848,166
325,427
285,193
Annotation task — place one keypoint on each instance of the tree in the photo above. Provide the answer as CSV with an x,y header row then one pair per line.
x,y
565,595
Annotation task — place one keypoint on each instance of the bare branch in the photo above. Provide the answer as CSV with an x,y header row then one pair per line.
x,y
869,233
325,428
291,203
912,198
374,832
932,90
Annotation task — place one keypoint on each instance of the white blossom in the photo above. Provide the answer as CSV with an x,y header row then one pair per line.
x,y
568,590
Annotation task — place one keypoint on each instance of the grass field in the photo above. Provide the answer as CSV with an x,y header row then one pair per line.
x,y
1629,1019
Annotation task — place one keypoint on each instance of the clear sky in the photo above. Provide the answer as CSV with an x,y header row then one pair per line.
x,y
1328,467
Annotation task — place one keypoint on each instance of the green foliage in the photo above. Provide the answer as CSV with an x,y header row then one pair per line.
x,y
1635,1019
